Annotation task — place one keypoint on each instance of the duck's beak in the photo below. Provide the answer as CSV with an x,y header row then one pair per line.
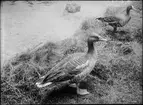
x,y
135,9
100,38
103,39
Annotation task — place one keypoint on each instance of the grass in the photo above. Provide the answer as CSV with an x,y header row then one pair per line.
x,y
118,71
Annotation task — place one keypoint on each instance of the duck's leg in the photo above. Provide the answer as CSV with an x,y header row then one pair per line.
x,y
81,89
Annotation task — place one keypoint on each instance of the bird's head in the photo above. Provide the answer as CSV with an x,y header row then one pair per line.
x,y
95,38
131,7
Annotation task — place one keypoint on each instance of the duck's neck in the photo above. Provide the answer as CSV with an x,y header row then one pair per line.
x,y
91,50
128,12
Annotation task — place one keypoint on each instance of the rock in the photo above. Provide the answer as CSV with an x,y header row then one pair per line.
x,y
72,8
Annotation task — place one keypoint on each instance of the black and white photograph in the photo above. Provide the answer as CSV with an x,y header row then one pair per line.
x,y
71,52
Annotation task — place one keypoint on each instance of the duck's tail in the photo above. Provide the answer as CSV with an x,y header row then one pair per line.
x,y
50,79
47,79
43,83
39,85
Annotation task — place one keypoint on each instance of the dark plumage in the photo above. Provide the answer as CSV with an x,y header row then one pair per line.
x,y
119,20
75,67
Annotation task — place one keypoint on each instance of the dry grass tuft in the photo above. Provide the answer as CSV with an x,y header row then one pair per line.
x,y
92,24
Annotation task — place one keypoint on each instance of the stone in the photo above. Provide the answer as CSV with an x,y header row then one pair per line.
x,y
72,8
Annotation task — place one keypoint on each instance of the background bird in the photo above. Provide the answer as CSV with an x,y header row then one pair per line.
x,y
74,68
120,19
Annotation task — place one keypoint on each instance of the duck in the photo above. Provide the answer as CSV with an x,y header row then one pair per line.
x,y
120,19
74,68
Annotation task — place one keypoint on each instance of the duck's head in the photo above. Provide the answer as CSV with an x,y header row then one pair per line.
x,y
131,7
95,38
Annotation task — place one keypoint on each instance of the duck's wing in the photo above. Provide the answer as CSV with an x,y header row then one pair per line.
x,y
65,60
69,70
109,19
56,68
72,69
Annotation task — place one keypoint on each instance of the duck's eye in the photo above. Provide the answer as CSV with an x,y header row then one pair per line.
x,y
96,38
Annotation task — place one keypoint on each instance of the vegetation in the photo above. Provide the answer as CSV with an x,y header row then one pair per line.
x,y
117,74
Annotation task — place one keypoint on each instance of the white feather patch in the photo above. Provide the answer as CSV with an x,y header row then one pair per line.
x,y
83,65
40,86
43,77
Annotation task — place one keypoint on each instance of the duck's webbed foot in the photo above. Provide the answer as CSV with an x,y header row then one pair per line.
x,y
73,85
81,89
